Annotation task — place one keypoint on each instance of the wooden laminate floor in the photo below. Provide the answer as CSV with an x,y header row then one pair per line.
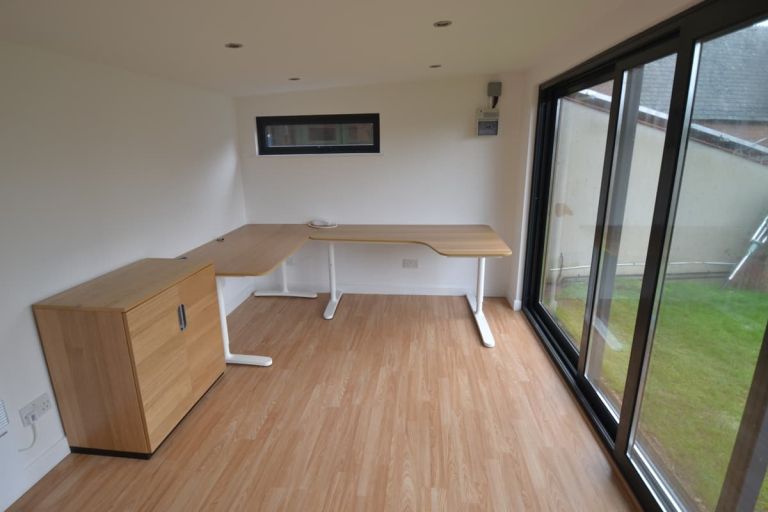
x,y
393,405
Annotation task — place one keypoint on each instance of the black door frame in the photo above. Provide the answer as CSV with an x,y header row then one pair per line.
x,y
682,35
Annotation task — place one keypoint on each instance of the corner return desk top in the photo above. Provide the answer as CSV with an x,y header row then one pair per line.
x,y
448,240
259,249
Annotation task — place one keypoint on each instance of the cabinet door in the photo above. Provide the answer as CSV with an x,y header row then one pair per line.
x,y
162,365
205,352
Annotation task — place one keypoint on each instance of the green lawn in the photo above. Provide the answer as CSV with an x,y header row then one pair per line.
x,y
703,358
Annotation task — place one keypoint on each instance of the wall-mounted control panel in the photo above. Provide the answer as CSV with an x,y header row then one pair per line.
x,y
488,118
487,121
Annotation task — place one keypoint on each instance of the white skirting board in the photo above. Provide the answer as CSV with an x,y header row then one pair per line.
x,y
244,291
49,458
37,469
381,289
246,288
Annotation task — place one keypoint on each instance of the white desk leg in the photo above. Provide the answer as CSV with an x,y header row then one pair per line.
x,y
335,297
476,303
229,357
285,292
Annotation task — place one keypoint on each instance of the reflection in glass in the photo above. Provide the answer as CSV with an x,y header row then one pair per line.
x,y
582,131
311,135
634,178
713,307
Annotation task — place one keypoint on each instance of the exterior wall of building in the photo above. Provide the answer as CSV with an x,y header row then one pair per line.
x,y
723,199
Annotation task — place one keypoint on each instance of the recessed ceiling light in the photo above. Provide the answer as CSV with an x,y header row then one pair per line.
x,y
295,78
435,66
233,45
442,23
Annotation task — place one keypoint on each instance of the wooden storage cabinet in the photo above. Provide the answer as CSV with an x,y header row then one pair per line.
x,y
131,352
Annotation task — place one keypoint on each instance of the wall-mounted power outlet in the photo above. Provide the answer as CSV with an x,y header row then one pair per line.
x,y
3,419
31,412
410,263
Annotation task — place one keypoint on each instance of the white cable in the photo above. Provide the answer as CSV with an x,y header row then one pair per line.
x,y
34,438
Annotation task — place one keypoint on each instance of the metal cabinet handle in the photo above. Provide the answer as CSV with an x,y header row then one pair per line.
x,y
182,317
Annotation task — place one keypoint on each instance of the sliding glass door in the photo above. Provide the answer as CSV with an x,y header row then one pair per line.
x,y
577,171
641,130
647,257
712,307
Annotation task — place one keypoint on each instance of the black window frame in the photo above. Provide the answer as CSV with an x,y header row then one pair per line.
x,y
682,35
263,122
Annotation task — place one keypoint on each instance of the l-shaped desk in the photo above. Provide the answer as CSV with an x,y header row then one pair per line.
x,y
259,249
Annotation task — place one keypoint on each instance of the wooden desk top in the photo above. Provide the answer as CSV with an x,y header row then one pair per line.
x,y
258,249
126,287
253,249
448,240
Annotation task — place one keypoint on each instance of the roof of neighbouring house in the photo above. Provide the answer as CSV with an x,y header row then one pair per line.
x,y
732,84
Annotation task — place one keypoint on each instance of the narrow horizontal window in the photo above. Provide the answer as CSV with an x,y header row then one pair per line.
x,y
338,133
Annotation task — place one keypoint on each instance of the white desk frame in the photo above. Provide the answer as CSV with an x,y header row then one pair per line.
x,y
229,357
285,292
475,301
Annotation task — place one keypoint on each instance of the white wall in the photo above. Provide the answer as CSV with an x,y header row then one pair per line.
x,y
432,169
98,167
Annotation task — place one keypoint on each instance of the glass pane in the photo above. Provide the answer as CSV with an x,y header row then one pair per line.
x,y
714,301
762,503
311,135
580,139
635,174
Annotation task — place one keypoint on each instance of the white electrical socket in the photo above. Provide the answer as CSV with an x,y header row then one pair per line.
x,y
410,263
31,412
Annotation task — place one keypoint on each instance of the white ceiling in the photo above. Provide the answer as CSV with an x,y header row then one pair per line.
x,y
325,42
